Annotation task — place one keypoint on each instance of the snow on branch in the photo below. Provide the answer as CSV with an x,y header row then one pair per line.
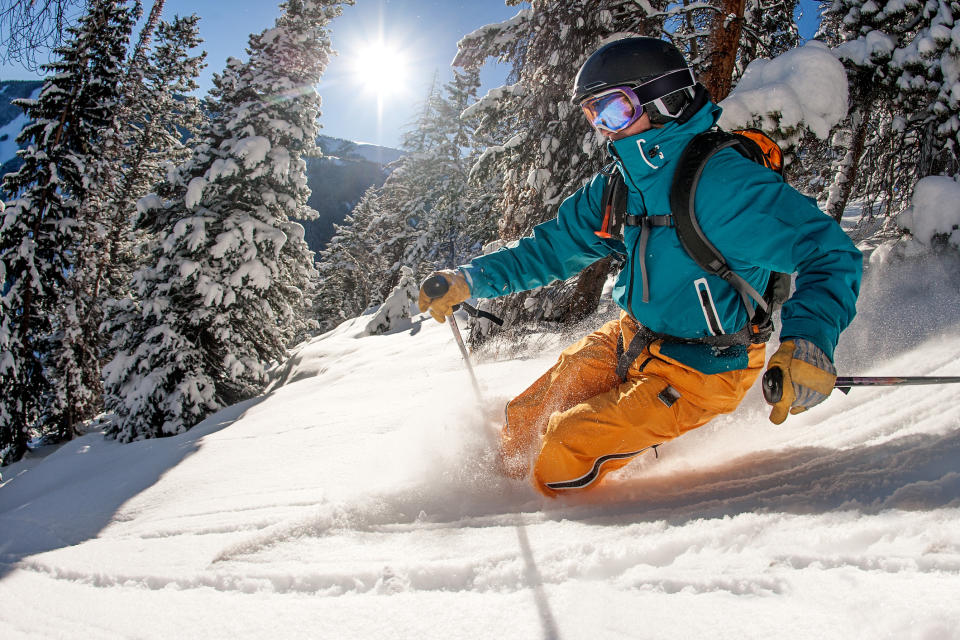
x,y
492,99
489,152
935,212
804,87
876,45
496,29
474,47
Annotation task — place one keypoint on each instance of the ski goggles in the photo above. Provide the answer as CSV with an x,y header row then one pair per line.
x,y
614,109
617,108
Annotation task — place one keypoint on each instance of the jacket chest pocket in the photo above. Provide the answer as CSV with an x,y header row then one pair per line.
x,y
708,306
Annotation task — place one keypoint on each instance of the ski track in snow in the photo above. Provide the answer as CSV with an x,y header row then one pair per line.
x,y
358,498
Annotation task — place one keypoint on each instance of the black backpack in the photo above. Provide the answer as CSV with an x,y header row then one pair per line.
x,y
754,145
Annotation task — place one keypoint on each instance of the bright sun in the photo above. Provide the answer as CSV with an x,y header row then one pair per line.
x,y
381,68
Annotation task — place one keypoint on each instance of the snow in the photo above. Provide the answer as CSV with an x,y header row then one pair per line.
x,y
253,150
935,210
492,99
221,168
195,192
804,86
357,499
149,202
400,306
498,29
860,52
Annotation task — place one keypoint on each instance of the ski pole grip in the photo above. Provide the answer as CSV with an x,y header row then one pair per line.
x,y
772,385
435,286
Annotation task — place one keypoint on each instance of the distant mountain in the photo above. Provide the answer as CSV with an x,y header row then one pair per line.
x,y
357,150
338,179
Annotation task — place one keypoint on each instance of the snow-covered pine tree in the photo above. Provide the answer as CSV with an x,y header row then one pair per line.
x,y
769,30
158,381
454,224
407,199
77,341
467,217
152,117
926,73
45,242
395,312
898,56
349,271
159,114
228,283
721,37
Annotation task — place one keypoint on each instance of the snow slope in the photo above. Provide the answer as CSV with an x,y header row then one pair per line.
x,y
356,500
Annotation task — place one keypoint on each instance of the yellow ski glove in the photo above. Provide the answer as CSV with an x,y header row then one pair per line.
x,y
440,306
808,377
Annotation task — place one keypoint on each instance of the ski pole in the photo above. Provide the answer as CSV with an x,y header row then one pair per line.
x,y
773,382
436,287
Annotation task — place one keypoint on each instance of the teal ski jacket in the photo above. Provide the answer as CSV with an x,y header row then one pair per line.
x,y
757,221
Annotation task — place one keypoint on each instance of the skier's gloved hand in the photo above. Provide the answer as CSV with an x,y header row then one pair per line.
x,y
458,290
808,377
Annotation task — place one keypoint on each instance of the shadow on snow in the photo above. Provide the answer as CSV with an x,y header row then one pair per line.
x,y
77,490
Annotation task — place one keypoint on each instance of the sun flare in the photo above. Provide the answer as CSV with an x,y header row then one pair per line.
x,y
381,67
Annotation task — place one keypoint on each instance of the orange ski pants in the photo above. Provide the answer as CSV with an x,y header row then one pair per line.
x,y
582,422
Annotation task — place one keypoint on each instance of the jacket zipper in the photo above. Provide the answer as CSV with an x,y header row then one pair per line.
x,y
709,308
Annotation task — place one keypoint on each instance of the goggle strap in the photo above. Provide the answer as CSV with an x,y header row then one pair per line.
x,y
665,85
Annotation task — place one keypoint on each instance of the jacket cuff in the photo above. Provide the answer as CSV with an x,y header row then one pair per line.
x,y
465,270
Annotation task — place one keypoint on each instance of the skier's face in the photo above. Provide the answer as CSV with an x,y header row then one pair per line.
x,y
641,125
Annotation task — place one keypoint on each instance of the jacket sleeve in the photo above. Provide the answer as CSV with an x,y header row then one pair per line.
x,y
557,249
755,219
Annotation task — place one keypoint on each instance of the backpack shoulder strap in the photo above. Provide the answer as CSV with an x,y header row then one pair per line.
x,y
613,204
683,192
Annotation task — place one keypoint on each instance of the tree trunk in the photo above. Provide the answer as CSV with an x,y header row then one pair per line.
x,y
846,174
586,292
722,48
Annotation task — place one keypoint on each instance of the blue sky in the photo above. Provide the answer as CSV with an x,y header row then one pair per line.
x,y
422,34
425,31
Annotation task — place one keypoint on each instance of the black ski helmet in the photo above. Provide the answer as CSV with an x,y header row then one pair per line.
x,y
633,62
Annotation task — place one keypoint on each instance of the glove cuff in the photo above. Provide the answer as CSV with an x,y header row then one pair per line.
x,y
812,354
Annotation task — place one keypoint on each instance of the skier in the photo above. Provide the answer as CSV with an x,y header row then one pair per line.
x,y
680,354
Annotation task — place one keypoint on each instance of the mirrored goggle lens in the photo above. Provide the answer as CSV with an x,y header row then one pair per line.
x,y
612,111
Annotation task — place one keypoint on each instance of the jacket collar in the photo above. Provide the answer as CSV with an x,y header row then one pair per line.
x,y
644,155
